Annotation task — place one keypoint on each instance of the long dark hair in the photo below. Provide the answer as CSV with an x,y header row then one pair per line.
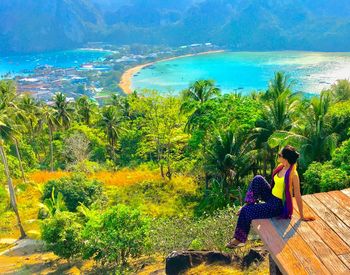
x,y
290,154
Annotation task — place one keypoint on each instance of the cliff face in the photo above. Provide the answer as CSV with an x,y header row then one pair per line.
x,y
39,25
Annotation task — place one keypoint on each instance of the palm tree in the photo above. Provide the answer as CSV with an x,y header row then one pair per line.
x,y
9,107
341,90
201,91
29,114
315,137
15,140
280,84
279,114
7,94
110,122
30,111
5,124
122,103
85,108
194,97
63,109
49,118
117,100
230,157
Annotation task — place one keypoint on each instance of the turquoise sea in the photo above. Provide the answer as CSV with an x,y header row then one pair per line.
x,y
21,64
246,71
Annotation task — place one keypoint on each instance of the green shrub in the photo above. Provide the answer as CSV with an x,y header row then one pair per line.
x,y
51,206
177,197
62,235
210,232
119,233
324,177
334,179
75,190
341,157
196,245
312,178
13,168
85,166
213,200
29,160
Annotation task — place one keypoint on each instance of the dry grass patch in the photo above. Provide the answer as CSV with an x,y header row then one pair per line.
x,y
125,177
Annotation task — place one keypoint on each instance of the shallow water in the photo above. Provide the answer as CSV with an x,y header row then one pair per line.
x,y
247,71
22,64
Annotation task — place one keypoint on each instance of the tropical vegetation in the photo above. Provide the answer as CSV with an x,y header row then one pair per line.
x,y
128,178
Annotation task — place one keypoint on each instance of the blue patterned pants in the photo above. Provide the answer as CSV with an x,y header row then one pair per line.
x,y
259,189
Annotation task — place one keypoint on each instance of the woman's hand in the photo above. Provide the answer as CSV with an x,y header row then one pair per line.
x,y
307,218
296,186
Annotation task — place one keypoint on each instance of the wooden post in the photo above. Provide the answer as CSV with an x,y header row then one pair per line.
x,y
274,270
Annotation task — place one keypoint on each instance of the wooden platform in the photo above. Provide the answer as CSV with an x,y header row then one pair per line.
x,y
316,247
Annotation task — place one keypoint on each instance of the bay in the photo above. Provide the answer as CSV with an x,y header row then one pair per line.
x,y
244,72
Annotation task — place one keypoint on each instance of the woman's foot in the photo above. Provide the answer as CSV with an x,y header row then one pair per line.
x,y
234,243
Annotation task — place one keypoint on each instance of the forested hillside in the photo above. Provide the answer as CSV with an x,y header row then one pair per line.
x,y
30,26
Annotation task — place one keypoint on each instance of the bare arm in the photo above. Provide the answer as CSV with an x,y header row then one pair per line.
x,y
296,187
297,194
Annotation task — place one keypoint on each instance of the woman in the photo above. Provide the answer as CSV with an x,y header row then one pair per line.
x,y
277,197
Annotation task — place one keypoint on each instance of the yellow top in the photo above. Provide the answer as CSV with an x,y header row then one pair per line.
x,y
278,188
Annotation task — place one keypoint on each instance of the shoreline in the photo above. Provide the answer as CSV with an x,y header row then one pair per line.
x,y
125,80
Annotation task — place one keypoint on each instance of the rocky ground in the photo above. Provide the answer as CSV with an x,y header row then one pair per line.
x,y
29,257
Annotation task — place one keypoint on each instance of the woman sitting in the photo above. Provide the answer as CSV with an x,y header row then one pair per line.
x,y
277,197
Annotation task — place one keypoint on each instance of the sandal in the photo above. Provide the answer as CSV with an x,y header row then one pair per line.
x,y
232,245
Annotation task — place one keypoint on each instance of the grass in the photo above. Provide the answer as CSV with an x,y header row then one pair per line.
x,y
27,200
157,197
121,178
120,182
43,263
204,269
125,177
235,268
137,187
40,177
156,264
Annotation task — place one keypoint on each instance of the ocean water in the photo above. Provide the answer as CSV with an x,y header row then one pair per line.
x,y
246,71
22,64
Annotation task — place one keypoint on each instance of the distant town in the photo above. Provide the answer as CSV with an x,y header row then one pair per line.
x,y
98,79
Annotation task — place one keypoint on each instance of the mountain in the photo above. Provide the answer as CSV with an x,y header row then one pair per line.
x,y
38,25
238,24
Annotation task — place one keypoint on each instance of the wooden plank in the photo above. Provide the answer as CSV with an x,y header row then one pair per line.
x,y
335,207
346,259
324,231
346,192
280,252
341,198
318,246
273,267
328,217
300,248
